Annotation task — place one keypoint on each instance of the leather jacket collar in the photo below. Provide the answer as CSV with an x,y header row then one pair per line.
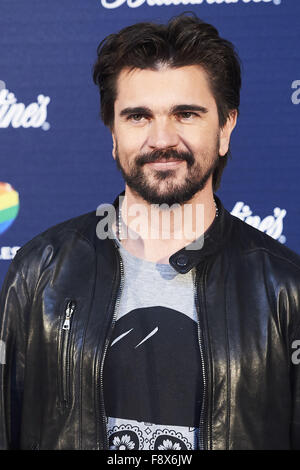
x,y
214,239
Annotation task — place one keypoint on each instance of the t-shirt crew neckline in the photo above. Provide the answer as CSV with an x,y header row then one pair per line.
x,y
136,259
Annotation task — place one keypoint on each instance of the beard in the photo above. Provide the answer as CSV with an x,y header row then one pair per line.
x,y
162,187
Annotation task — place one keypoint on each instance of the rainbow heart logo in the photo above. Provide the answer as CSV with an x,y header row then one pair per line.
x,y
9,206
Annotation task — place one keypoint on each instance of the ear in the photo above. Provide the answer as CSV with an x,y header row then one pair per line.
x,y
114,146
226,132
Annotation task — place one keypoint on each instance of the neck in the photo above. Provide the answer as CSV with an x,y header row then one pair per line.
x,y
152,233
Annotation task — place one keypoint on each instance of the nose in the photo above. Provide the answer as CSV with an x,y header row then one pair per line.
x,y
162,134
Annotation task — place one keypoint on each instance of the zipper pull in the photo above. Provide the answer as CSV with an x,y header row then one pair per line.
x,y
68,314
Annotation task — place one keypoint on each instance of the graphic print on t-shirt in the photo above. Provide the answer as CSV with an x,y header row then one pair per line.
x,y
153,380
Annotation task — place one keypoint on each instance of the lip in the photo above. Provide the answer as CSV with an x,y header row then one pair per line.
x,y
166,165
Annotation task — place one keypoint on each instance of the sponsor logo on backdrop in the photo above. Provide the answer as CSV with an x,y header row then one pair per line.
x,y
14,114
9,208
296,94
138,3
8,252
271,224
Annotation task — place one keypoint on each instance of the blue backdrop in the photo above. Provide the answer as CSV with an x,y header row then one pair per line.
x,y
56,158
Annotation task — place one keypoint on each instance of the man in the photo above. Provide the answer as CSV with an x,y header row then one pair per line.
x,y
173,325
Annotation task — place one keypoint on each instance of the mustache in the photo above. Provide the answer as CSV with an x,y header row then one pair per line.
x,y
171,154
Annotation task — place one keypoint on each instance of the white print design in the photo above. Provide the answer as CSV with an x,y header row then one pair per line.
x,y
143,340
137,3
120,337
167,445
272,224
124,443
126,434
172,439
18,115
147,337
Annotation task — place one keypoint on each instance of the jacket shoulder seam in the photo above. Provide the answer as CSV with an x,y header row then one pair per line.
x,y
284,258
25,286
47,239
18,271
81,235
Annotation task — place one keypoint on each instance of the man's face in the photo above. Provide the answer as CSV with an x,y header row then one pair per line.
x,y
166,134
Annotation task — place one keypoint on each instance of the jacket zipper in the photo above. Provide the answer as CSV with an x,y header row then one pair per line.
x,y
65,351
116,309
68,315
201,437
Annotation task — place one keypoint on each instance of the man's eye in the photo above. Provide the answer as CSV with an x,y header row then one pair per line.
x,y
136,117
186,115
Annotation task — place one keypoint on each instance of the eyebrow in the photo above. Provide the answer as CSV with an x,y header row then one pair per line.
x,y
135,110
175,109
189,107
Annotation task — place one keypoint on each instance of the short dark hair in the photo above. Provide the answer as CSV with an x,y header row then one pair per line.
x,y
184,40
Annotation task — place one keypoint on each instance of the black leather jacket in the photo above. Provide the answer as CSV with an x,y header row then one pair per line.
x,y
57,316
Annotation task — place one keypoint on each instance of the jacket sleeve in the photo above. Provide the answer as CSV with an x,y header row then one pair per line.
x,y
293,306
295,428
295,383
14,308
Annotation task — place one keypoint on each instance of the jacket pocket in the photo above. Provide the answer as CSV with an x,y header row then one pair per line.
x,y
64,352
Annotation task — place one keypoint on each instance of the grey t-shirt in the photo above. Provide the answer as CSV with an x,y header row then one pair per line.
x,y
152,371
